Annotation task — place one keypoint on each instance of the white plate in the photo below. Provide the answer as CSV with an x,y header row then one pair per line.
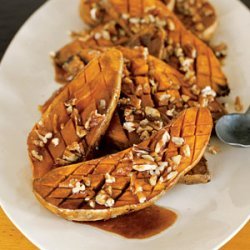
x,y
209,215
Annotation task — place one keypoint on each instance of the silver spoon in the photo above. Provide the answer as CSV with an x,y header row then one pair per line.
x,y
234,129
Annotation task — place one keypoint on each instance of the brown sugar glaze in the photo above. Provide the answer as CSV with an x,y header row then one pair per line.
x,y
139,225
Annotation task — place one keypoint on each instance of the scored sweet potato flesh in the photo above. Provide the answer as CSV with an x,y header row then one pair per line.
x,y
151,24
129,180
198,16
75,119
93,13
149,82
166,38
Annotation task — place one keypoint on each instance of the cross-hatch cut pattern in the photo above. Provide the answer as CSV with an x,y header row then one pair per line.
x,y
77,118
197,16
151,24
148,82
123,184
152,94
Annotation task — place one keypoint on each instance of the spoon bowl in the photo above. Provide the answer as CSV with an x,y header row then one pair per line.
x,y
234,129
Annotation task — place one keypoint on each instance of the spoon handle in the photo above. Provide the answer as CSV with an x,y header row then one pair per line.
x,y
248,111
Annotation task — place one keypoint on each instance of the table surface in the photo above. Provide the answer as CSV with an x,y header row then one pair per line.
x,y
11,238
10,22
